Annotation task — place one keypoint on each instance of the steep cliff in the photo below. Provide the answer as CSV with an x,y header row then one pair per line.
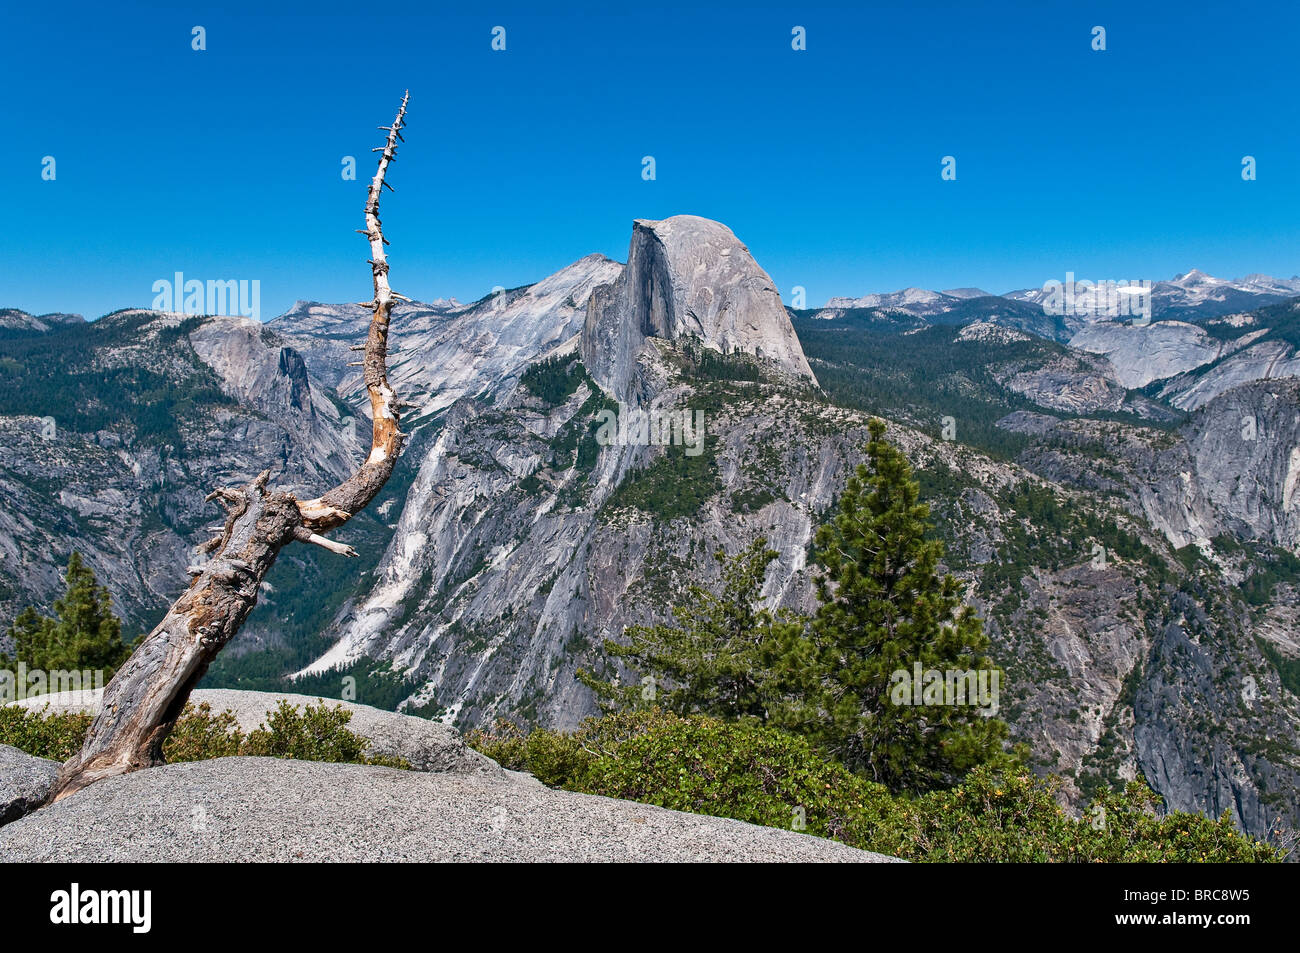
x,y
687,276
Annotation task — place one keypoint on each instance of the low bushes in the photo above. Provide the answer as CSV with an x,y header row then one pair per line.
x,y
314,733
757,774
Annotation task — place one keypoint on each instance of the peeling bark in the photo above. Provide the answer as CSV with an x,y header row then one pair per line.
x,y
148,693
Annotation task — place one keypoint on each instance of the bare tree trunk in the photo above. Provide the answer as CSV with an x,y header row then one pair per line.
x,y
148,693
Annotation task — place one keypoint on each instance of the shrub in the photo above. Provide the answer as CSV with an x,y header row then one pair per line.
x,y
742,770
1001,816
557,760
57,737
751,772
316,733
199,735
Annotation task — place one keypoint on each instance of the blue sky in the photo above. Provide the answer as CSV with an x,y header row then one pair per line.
x,y
826,163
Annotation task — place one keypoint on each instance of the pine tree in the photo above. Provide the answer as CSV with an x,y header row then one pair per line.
x,y
723,657
885,606
84,633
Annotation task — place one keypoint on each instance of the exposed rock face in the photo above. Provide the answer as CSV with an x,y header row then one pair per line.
x,y
445,351
1142,354
1073,383
220,811
260,371
687,276
1233,468
1207,765
1263,361
24,782
1194,705
493,593
1245,448
1194,365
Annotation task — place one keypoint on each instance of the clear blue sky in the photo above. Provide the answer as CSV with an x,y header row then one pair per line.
x,y
226,163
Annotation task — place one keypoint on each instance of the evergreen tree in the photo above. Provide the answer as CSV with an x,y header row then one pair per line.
x,y
725,656
83,634
885,606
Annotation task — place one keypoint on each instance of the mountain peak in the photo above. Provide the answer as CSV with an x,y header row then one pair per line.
x,y
1195,276
687,275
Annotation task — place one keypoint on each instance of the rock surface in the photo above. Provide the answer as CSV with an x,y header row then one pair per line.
x,y
24,779
264,809
687,275
445,350
1141,354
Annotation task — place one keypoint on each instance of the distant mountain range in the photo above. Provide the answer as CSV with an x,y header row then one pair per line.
x,y
1192,294
12,319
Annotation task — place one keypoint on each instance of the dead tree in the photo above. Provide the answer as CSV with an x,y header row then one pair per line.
x,y
148,693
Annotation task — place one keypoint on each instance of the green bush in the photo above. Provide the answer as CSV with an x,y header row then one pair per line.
x,y
999,816
557,760
316,733
742,770
553,379
57,737
758,774
200,735
675,485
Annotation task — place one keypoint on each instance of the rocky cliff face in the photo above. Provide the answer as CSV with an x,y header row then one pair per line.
x,y
1233,468
1142,354
1194,363
1245,450
448,350
687,276
514,558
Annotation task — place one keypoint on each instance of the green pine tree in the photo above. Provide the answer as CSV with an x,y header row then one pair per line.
x,y
724,656
884,607
83,634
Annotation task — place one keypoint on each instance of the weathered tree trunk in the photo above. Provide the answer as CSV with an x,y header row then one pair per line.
x,y
148,693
